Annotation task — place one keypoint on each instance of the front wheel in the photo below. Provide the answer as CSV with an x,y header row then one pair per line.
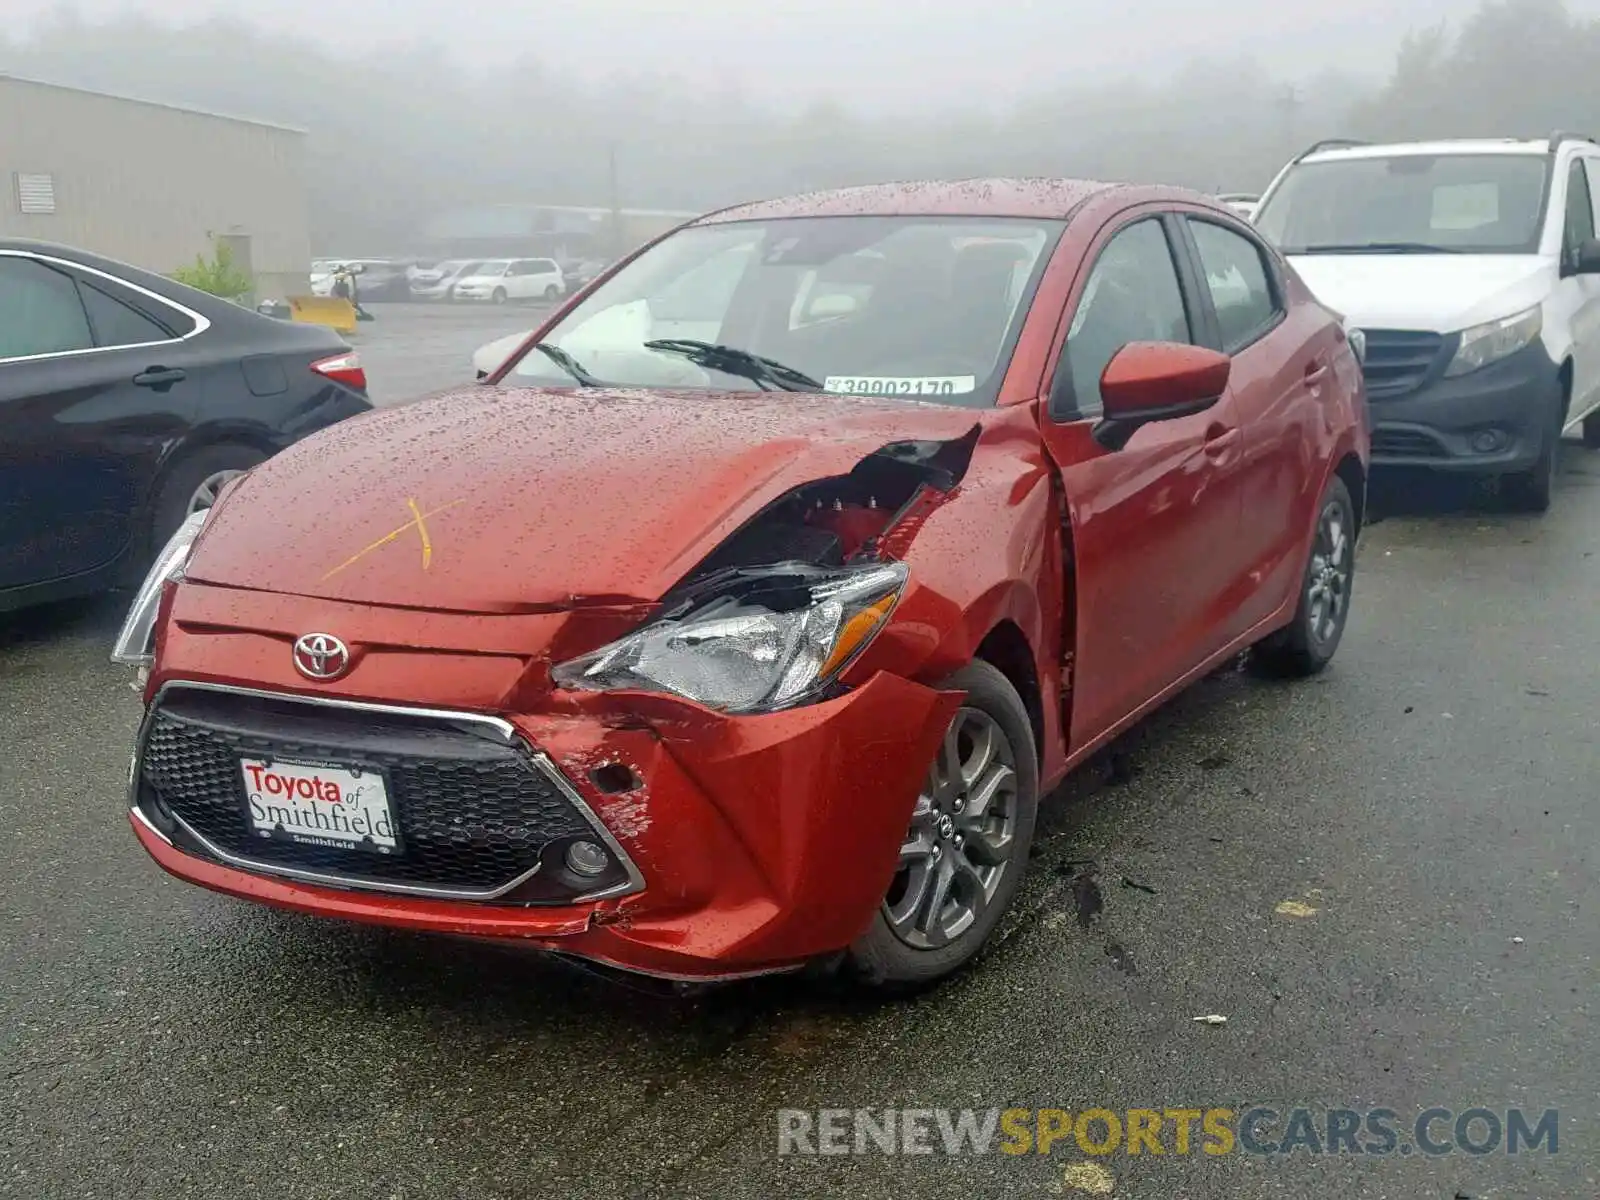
x,y
552,292
1532,490
963,857
499,296
1307,644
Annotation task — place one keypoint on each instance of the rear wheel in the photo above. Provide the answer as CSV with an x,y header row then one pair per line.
x,y
963,857
552,292
193,484
1591,431
1307,643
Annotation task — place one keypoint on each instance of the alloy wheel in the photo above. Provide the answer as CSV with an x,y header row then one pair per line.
x,y
206,494
962,836
1328,588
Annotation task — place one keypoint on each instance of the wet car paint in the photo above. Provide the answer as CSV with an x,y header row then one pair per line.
x,y
1041,556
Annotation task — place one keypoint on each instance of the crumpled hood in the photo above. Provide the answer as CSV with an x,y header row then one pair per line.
x,y
497,500
1433,293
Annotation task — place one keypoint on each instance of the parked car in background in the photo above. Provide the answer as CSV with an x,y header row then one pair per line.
x,y
1473,271
127,401
706,660
487,359
376,279
579,274
322,272
438,282
501,280
1243,203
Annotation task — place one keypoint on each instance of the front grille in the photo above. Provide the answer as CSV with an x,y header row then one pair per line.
x,y
474,812
1404,443
1398,361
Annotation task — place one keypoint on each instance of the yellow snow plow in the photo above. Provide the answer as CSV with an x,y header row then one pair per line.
x,y
333,311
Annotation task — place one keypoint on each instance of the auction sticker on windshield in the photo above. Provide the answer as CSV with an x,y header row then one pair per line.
x,y
893,385
319,804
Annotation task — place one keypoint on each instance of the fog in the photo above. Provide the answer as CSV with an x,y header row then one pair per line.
x,y
415,108
875,53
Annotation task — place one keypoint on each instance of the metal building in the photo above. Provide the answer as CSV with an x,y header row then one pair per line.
x,y
152,184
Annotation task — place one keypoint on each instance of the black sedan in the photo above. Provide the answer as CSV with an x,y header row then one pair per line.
x,y
126,402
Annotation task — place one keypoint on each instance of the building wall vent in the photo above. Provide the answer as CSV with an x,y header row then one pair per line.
x,y
36,193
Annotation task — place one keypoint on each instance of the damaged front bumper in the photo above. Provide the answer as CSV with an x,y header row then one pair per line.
x,y
742,844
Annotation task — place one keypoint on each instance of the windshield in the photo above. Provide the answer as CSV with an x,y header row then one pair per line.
x,y
490,270
1467,203
921,307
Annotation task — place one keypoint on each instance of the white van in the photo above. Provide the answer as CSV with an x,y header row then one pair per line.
x,y
1473,270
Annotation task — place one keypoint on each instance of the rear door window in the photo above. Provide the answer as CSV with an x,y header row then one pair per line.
x,y
116,323
1242,289
40,310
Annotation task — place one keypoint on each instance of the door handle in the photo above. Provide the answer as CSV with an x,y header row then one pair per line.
x,y
1316,372
1220,439
157,377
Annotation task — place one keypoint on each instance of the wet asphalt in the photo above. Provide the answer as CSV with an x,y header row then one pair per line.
x,y
1429,801
412,350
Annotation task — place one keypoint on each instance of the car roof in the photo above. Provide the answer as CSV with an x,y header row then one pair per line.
x,y
1038,198
221,313
74,254
1447,146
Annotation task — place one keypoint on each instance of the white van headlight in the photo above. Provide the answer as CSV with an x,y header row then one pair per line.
x,y
136,642
1494,340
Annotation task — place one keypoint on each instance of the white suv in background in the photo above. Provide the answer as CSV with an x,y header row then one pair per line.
x,y
1473,270
512,279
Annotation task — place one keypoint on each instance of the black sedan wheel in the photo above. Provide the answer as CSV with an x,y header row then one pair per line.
x,y
193,485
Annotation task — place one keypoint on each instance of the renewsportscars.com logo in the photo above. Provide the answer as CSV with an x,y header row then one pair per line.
x,y
1170,1131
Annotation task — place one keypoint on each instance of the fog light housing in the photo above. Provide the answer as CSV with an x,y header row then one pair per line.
x,y
588,859
1487,441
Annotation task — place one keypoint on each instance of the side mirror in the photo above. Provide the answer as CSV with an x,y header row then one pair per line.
x,y
1586,260
1157,381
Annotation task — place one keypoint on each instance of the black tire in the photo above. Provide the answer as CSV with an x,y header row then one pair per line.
x,y
552,292
183,481
1591,431
1307,644
499,296
880,958
1531,491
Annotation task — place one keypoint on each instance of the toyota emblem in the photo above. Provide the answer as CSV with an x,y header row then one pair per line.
x,y
321,656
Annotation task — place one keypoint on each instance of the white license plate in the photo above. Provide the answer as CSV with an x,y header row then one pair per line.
x,y
319,804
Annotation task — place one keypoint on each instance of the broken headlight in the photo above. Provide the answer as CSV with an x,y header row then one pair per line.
x,y
766,646
135,644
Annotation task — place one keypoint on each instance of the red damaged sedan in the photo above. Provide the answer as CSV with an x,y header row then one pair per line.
x,y
740,620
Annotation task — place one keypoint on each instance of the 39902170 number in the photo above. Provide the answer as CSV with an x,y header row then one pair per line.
x,y
890,386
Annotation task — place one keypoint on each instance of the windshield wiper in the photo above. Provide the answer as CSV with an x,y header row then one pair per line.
x,y
763,372
1378,248
567,363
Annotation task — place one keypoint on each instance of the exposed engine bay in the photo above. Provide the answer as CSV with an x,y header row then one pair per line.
x,y
842,519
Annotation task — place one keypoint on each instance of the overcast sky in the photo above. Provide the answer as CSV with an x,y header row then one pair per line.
x,y
864,52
